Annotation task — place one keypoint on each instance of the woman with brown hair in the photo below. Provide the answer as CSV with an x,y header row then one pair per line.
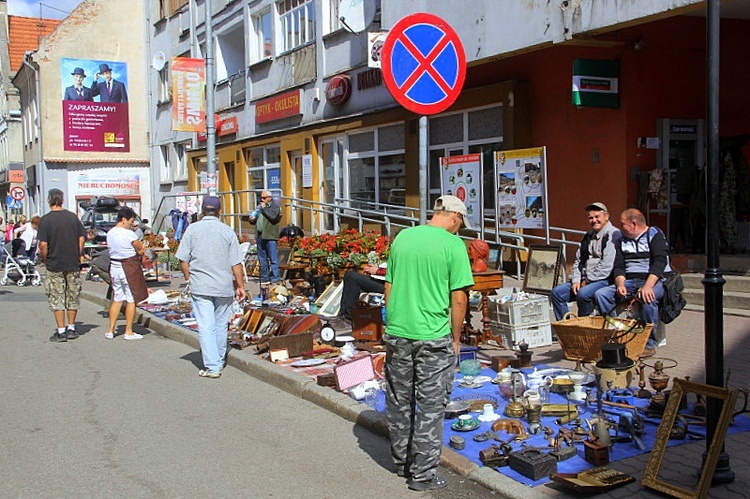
x,y
126,272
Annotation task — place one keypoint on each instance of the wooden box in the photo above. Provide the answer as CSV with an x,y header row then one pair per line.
x,y
367,323
532,463
296,344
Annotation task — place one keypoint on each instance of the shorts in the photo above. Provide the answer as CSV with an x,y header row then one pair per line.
x,y
63,290
120,285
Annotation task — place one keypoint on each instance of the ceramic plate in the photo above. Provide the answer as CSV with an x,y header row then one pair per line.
x,y
482,379
308,362
470,427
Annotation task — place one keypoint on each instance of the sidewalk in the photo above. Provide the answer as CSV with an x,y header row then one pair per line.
x,y
685,345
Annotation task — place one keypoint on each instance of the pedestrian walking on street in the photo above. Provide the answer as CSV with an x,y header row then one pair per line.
x,y
61,236
211,262
426,297
126,273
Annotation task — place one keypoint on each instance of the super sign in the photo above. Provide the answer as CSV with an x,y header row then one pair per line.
x,y
424,65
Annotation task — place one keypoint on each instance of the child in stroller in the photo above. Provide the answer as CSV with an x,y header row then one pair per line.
x,y
20,270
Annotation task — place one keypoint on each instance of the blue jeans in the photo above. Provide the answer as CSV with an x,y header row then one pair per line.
x,y
563,294
607,299
268,250
212,314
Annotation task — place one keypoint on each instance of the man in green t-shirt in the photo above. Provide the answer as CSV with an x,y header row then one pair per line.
x,y
426,298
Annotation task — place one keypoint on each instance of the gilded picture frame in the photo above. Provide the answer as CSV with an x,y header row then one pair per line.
x,y
679,388
542,268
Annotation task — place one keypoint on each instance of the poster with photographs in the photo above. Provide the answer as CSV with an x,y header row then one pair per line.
x,y
461,176
521,184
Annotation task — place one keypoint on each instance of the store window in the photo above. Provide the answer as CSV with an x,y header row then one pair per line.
x,y
263,168
377,175
297,23
468,132
263,25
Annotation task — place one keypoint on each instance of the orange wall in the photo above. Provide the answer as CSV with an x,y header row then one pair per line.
x,y
666,79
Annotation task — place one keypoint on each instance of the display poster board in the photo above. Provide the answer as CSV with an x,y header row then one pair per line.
x,y
521,186
461,176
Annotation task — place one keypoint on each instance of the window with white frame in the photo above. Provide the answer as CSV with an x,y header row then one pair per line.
x,y
263,25
377,172
180,149
263,168
468,132
297,23
165,163
165,92
332,18
230,53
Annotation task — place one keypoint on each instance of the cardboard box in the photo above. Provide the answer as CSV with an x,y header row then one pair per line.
x,y
367,323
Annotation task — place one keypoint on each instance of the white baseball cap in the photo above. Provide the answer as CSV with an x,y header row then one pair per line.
x,y
452,203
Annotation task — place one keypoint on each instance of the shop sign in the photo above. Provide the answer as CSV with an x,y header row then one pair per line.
x,y
16,176
338,90
595,83
370,78
102,184
223,127
278,107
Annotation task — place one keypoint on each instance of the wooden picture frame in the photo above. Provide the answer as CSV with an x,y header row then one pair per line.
x,y
326,294
679,388
267,325
332,305
542,268
251,324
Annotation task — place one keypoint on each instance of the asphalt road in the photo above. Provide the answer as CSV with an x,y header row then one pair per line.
x,y
96,418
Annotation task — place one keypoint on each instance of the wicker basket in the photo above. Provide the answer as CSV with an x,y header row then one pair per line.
x,y
581,338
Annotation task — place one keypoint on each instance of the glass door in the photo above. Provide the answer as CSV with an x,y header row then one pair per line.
x,y
298,213
332,173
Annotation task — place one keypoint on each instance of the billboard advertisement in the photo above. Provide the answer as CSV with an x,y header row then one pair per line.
x,y
188,94
95,105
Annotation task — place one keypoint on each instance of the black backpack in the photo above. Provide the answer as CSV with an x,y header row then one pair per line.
x,y
673,302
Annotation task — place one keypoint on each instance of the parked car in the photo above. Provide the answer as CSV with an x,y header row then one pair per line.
x,y
100,215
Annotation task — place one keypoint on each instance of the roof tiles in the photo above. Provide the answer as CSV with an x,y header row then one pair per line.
x,y
25,33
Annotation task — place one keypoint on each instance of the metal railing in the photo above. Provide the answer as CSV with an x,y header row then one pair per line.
x,y
332,217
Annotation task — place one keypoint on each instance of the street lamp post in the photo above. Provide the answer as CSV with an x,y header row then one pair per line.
x,y
211,177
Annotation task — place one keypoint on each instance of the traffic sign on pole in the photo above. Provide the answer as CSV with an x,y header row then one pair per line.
x,y
424,65
17,193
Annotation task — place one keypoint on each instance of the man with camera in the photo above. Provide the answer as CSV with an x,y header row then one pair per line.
x,y
266,218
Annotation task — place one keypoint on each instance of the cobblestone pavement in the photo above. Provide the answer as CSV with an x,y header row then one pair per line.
x,y
685,344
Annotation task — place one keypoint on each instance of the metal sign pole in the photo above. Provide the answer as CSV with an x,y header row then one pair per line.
x,y
423,201
211,179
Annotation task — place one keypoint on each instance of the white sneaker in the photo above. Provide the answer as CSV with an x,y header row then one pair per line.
x,y
109,335
134,336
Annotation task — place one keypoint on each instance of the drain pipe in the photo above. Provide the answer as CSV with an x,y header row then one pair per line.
x,y
41,197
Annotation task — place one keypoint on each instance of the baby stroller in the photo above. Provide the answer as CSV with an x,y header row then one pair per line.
x,y
20,269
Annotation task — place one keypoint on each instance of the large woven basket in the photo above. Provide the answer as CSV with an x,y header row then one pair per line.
x,y
581,338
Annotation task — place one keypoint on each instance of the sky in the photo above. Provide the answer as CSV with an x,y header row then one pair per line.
x,y
50,9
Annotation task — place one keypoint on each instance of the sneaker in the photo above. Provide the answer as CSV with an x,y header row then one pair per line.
x,y
71,334
205,373
434,483
58,337
134,336
109,335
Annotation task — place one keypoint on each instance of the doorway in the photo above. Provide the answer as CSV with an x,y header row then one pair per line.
x,y
331,170
299,216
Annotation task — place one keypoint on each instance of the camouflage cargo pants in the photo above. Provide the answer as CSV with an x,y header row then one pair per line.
x,y
63,290
419,377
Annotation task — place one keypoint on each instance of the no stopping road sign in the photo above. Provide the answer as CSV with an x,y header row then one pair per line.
x,y
424,65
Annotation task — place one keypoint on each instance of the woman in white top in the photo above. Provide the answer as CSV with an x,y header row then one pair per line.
x,y
27,234
128,285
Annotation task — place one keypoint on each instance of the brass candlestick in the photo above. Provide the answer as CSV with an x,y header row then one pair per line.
x,y
641,370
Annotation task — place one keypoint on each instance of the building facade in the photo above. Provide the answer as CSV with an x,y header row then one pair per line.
x,y
83,100
300,111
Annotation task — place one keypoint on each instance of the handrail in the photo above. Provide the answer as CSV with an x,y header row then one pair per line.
x,y
387,215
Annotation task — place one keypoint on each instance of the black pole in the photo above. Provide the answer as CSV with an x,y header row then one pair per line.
x,y
713,282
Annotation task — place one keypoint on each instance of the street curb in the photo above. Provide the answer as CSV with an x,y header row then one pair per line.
x,y
322,396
